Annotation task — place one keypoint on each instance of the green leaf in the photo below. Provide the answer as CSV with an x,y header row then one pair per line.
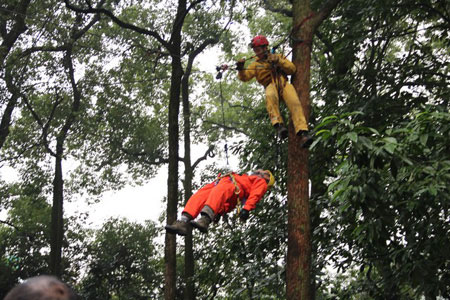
x,y
337,194
432,190
353,136
406,160
366,142
391,144
390,148
424,139
374,131
324,133
390,140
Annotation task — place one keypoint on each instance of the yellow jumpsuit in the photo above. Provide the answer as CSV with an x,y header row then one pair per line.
x,y
267,76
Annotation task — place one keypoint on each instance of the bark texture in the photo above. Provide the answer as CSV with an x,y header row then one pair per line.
x,y
298,273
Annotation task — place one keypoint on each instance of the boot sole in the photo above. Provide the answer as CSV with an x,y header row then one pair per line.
x,y
172,230
202,229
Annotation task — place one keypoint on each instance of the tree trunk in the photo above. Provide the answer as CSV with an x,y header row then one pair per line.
x,y
298,273
189,292
5,121
57,223
172,181
299,238
298,280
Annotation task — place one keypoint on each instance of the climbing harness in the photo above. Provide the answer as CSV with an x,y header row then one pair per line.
x,y
237,190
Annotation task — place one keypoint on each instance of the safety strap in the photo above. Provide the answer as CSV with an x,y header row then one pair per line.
x,y
276,79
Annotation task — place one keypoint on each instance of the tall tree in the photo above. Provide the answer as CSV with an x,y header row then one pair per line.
x,y
176,47
298,274
66,125
64,117
25,232
61,125
216,33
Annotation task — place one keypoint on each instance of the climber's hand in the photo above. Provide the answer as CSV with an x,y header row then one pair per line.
x,y
273,58
240,64
243,215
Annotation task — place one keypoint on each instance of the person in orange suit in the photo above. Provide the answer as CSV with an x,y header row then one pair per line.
x,y
222,196
271,71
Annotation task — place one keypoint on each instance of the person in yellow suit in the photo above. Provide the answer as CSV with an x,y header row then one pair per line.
x,y
271,71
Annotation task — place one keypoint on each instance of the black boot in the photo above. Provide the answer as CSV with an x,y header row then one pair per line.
x,y
281,131
202,223
305,139
181,226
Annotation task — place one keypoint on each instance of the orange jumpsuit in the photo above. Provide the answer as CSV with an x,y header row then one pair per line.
x,y
221,197
264,73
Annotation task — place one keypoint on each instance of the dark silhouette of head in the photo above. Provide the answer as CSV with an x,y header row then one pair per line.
x,y
41,288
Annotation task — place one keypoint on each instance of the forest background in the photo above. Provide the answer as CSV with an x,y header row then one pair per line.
x,y
99,95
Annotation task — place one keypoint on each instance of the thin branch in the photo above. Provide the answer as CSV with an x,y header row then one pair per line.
x,y
81,32
43,49
118,21
10,224
39,121
204,157
324,12
156,161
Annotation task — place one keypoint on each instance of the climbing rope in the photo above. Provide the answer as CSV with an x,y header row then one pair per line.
x,y
223,117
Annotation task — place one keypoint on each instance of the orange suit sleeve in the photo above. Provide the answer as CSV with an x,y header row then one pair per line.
x,y
257,191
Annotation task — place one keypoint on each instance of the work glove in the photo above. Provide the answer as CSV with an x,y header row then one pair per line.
x,y
240,64
243,215
273,59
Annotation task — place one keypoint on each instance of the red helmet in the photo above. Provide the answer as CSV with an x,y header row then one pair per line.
x,y
259,40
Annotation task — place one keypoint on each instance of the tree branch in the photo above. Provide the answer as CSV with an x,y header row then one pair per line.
x,y
43,126
78,34
17,29
10,224
324,12
204,157
156,161
118,21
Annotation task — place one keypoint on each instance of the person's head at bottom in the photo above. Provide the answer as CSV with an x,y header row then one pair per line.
x,y
42,287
